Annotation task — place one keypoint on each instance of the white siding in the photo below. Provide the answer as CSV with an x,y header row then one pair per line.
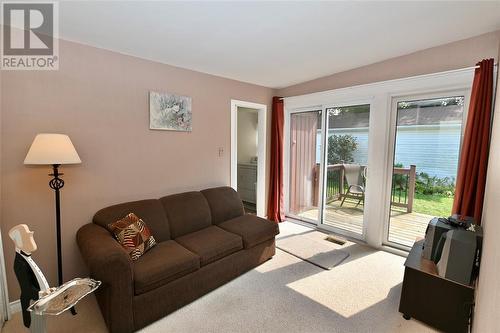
x,y
433,149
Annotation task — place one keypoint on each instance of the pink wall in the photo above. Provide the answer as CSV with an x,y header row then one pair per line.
x,y
100,99
455,55
488,290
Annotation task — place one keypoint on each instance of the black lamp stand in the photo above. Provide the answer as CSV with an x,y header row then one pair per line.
x,y
56,184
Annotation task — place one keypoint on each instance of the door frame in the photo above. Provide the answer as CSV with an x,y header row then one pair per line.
x,y
381,94
344,103
465,91
5,308
286,163
261,150
323,161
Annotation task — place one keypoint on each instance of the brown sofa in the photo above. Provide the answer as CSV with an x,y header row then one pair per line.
x,y
204,239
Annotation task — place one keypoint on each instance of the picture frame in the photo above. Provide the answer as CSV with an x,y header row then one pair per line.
x,y
170,112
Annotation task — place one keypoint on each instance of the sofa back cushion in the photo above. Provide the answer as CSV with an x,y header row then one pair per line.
x,y
224,202
150,211
186,212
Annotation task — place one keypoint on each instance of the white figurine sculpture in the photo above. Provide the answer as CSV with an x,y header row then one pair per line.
x,y
37,298
31,279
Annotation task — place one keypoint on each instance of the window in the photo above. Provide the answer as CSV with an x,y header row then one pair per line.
x,y
426,153
400,146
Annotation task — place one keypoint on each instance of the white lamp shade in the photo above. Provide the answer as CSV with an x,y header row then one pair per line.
x,y
48,148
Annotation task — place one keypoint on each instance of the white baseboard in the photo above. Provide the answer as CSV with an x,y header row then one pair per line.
x,y
15,307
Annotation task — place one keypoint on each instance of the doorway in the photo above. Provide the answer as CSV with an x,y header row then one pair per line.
x,y
328,163
427,138
248,154
361,133
346,168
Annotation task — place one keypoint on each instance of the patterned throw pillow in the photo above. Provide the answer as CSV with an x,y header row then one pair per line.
x,y
133,234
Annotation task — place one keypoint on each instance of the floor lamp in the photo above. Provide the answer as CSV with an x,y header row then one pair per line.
x,y
55,150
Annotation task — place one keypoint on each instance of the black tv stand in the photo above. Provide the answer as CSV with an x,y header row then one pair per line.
x,y
432,299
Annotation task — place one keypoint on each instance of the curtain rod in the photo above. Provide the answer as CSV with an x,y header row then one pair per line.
x,y
477,66
459,69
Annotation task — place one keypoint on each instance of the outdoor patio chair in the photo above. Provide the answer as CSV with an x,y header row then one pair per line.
x,y
355,175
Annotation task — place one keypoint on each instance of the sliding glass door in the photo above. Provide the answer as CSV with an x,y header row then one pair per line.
x,y
426,152
328,156
305,165
376,162
346,168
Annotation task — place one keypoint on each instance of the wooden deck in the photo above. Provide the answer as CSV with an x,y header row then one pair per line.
x,y
403,229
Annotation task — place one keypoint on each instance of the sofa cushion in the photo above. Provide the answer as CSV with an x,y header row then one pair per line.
x,y
253,229
133,234
165,262
211,243
224,202
186,212
150,211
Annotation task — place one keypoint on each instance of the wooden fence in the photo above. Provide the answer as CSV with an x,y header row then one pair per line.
x,y
403,185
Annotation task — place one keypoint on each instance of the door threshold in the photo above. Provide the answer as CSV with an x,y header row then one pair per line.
x,y
394,250
300,222
325,231
383,247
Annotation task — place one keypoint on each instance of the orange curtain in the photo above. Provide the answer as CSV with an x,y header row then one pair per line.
x,y
275,204
471,177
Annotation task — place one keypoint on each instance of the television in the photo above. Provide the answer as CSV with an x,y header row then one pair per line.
x,y
435,229
460,255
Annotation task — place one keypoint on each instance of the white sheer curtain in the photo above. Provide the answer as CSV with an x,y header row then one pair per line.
x,y
303,135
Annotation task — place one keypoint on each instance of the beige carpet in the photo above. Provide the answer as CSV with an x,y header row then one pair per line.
x,y
285,294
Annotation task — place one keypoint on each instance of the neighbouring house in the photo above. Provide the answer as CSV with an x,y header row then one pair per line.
x,y
432,128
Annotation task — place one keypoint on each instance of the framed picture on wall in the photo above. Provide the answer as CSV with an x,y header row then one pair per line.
x,y
169,112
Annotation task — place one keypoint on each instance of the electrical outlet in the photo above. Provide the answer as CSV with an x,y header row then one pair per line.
x,y
221,151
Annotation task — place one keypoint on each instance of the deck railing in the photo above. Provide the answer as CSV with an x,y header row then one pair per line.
x,y
403,185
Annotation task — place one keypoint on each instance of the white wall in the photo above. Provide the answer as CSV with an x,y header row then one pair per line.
x,y
488,293
247,134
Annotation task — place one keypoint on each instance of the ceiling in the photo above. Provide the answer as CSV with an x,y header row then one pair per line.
x,y
273,44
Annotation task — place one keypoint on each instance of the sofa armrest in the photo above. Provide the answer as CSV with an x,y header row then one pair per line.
x,y
109,263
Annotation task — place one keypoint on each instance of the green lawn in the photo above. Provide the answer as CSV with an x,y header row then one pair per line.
x,y
435,205
430,204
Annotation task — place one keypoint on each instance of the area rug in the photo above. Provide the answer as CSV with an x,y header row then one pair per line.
x,y
313,248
